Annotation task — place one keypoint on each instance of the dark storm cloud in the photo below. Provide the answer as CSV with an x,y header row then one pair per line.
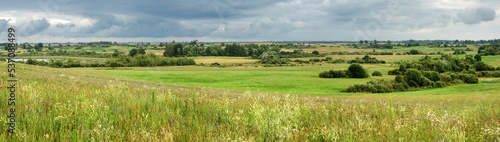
x,y
4,23
472,16
33,27
241,19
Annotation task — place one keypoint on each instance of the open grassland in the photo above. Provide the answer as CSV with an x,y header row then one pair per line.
x,y
295,80
301,80
67,105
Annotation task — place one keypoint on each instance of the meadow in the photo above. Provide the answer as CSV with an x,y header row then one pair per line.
x,y
68,105
246,102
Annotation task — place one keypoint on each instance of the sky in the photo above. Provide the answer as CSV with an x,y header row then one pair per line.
x,y
249,20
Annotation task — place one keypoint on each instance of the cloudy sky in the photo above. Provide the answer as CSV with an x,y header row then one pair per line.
x,y
249,20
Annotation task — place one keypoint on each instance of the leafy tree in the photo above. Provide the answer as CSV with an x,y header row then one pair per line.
x,y
402,68
477,57
113,64
141,51
357,71
376,73
315,52
169,50
133,52
413,77
116,53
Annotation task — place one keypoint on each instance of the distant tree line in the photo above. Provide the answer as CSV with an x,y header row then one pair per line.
x,y
491,49
149,60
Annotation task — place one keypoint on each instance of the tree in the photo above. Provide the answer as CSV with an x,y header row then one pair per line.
x,y
477,57
39,47
357,71
133,52
141,51
413,77
315,52
178,49
116,53
169,50
113,64
376,73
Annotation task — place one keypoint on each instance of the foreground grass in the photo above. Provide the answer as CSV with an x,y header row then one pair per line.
x,y
65,105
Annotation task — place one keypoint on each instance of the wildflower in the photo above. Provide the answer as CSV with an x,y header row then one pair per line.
x,y
46,135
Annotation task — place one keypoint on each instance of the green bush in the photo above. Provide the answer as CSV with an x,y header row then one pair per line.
x,y
334,74
446,78
432,75
425,82
440,84
457,81
376,73
399,79
413,77
481,66
469,78
489,74
394,72
357,71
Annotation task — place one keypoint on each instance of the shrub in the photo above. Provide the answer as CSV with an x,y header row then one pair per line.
x,y
336,61
425,82
399,79
489,74
398,86
361,88
472,71
440,84
481,66
394,72
328,59
446,78
432,75
414,76
457,81
357,71
412,83
334,74
376,73
402,68
314,60
469,78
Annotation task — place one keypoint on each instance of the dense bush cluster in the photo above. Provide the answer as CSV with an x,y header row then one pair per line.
x,y
335,74
376,73
445,63
366,59
492,49
490,74
413,80
354,71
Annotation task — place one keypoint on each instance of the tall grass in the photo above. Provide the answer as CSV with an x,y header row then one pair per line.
x,y
64,105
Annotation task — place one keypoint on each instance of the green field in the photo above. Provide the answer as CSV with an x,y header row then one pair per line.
x,y
302,80
292,80
241,101
69,105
